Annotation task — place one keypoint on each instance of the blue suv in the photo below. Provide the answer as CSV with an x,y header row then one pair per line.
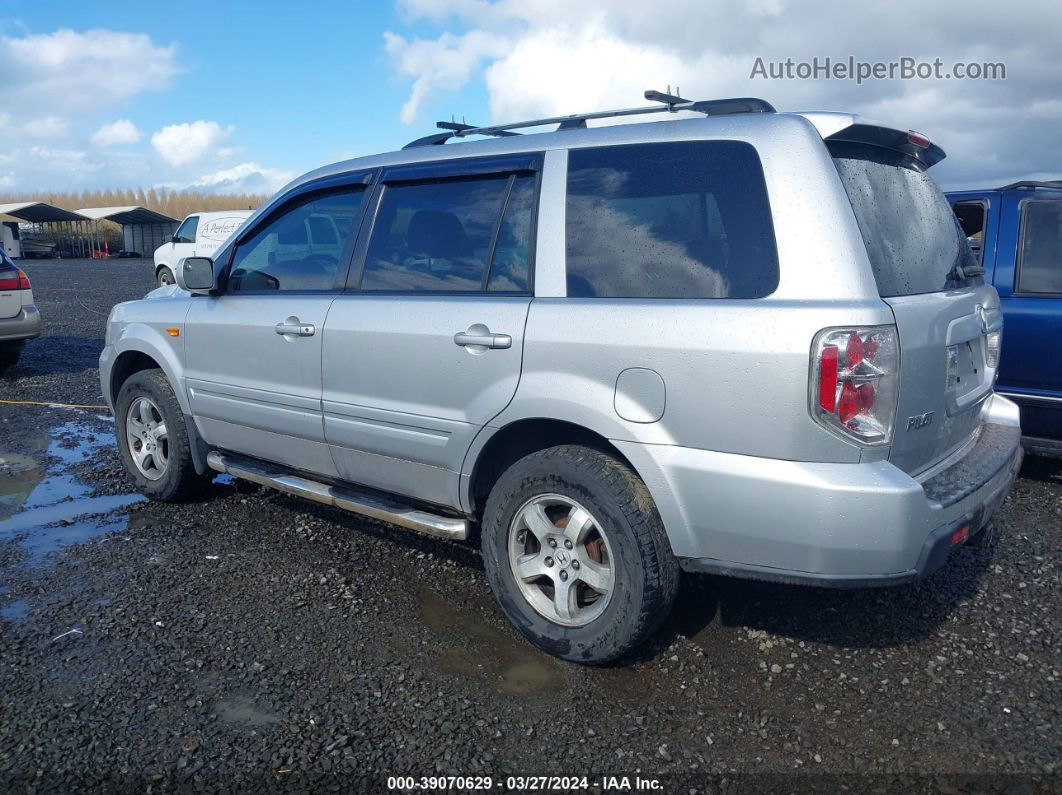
x,y
1016,231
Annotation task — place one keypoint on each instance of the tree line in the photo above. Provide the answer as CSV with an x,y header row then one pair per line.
x,y
174,203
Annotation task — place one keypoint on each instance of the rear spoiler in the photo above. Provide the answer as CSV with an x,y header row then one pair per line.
x,y
850,128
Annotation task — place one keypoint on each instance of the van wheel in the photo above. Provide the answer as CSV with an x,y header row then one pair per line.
x,y
577,555
165,276
153,439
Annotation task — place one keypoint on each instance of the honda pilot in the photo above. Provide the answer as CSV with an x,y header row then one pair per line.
x,y
734,341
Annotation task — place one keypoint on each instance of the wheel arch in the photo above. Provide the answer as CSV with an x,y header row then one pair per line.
x,y
496,452
133,360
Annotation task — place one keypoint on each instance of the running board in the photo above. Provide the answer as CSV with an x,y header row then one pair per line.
x,y
347,499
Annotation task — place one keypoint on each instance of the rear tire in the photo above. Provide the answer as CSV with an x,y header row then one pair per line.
x,y
153,439
601,527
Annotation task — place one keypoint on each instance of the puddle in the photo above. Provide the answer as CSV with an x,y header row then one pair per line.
x,y
242,711
484,650
49,508
16,610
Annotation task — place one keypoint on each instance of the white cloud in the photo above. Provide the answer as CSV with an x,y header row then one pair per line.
x,y
45,127
82,71
546,57
117,133
180,144
445,63
244,178
72,162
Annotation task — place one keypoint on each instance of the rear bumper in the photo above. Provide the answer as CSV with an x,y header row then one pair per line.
x,y
24,326
838,525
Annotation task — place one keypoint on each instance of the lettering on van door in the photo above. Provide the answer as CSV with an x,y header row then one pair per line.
x,y
220,228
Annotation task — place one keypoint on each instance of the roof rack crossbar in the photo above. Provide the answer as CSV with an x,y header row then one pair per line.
x,y
1031,183
670,103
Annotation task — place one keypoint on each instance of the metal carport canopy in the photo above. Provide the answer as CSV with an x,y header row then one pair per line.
x,y
126,216
39,213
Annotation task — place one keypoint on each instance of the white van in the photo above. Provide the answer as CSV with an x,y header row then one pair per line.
x,y
199,235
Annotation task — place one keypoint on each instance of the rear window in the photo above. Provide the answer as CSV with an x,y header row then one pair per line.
x,y
669,220
5,263
913,238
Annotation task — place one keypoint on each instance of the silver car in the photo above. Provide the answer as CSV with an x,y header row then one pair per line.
x,y
747,343
19,319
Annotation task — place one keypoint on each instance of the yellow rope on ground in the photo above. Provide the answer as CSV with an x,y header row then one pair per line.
x,y
52,405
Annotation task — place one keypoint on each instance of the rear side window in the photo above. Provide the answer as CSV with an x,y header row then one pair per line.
x,y
669,220
913,239
186,233
1040,269
466,234
298,248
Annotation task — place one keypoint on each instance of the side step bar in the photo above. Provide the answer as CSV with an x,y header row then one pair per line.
x,y
348,499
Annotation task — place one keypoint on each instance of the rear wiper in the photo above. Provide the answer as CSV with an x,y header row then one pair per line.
x,y
960,273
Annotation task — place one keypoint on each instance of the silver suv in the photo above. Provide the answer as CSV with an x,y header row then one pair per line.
x,y
746,343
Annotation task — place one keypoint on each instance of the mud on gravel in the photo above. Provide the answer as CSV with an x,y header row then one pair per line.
x,y
253,641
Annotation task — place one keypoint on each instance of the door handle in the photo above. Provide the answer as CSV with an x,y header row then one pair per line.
x,y
295,327
474,337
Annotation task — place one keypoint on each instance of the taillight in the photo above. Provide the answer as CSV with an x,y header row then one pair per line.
x,y
14,280
854,377
993,340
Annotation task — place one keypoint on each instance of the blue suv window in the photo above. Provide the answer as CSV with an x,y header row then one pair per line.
x,y
669,220
1040,269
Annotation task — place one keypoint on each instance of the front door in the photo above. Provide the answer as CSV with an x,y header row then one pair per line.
x,y
427,349
253,354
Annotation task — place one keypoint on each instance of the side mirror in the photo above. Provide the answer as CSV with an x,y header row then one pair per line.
x,y
196,275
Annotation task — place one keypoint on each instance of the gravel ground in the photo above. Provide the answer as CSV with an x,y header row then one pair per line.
x,y
255,641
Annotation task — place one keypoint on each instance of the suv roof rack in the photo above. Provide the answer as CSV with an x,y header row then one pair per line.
x,y
1055,183
669,103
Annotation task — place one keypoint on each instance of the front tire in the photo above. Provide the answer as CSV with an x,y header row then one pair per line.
x,y
165,276
577,555
153,438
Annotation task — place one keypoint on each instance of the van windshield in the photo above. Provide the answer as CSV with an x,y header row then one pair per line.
x,y
912,237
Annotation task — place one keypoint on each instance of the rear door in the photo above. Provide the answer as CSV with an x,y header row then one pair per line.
x,y
1031,292
426,347
947,318
10,294
253,354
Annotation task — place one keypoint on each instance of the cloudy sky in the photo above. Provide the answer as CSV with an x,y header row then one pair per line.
x,y
235,97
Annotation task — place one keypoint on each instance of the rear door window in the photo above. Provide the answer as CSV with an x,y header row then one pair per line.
x,y
459,234
913,239
1040,266
669,220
